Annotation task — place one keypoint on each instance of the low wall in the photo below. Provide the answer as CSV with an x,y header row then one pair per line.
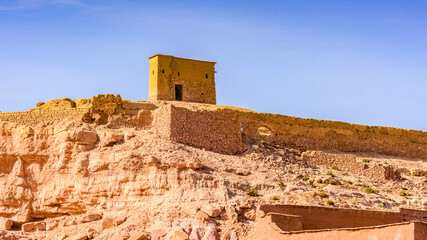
x,y
282,222
276,222
413,215
327,218
35,117
216,130
349,163
332,135
401,231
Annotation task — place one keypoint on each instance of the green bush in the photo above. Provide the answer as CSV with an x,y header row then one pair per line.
x,y
330,202
320,194
252,192
275,198
348,182
404,188
334,167
330,174
370,190
366,160
404,193
305,178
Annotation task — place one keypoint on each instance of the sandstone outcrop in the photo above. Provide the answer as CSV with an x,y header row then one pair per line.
x,y
107,168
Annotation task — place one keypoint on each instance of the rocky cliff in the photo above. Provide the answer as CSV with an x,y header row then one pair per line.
x,y
100,168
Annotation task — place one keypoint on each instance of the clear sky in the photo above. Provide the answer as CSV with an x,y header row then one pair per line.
x,y
354,61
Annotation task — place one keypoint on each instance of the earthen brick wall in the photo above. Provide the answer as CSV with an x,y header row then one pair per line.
x,y
349,163
332,135
216,130
35,117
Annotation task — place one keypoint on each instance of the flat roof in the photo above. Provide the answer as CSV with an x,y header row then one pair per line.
x,y
180,58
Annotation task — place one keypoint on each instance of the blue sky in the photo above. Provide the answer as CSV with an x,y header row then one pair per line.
x,y
354,61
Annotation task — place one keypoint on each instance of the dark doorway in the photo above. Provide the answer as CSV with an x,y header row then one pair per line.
x,y
178,92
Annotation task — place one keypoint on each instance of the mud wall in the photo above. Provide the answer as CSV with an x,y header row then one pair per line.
x,y
35,117
406,231
212,130
216,130
162,122
327,218
350,163
332,135
413,215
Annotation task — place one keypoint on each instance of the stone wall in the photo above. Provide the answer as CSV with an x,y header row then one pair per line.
x,y
162,122
401,231
35,117
275,222
196,120
100,109
222,129
313,217
412,214
216,130
315,134
350,163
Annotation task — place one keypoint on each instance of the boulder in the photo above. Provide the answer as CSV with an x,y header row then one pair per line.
x,y
80,236
91,217
250,215
180,235
233,236
197,233
211,234
193,163
33,226
107,222
138,236
212,210
159,233
91,233
5,224
202,216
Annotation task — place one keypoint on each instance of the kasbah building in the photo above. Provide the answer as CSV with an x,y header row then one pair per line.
x,y
182,108
180,79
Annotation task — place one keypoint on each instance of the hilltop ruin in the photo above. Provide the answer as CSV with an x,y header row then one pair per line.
x,y
179,165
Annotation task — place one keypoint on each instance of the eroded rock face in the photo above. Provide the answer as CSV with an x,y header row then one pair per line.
x,y
120,180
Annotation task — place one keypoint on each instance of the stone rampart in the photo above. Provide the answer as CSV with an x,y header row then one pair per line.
x,y
315,134
35,117
99,109
221,129
216,130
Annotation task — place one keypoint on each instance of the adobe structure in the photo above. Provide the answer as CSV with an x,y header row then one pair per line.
x,y
177,86
294,222
181,79
173,112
